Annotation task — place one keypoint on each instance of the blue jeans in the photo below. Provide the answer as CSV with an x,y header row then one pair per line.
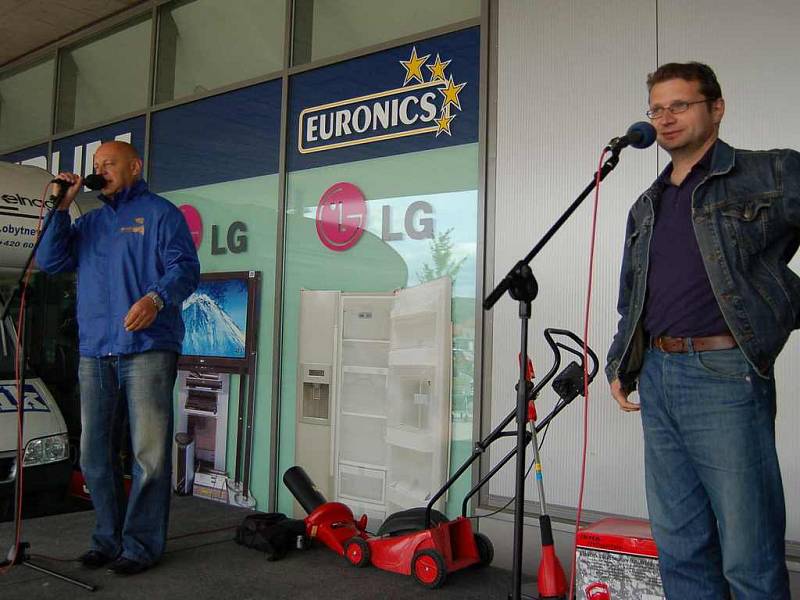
x,y
138,386
714,490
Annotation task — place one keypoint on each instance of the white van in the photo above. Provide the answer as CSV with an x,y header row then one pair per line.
x,y
47,468
46,462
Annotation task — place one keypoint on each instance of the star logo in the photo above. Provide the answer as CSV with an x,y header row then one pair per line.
x,y
440,81
413,66
451,92
437,69
443,122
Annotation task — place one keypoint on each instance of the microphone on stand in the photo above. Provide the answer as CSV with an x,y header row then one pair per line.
x,y
639,135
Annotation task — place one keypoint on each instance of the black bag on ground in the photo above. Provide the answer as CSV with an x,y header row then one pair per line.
x,y
271,533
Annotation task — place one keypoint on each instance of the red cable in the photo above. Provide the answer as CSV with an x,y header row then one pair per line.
x,y
19,487
586,373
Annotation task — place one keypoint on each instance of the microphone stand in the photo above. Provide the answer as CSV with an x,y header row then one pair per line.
x,y
21,554
522,286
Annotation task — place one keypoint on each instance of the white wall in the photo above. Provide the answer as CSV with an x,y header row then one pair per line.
x,y
571,75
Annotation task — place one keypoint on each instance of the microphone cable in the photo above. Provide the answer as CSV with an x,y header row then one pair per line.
x,y
589,285
19,370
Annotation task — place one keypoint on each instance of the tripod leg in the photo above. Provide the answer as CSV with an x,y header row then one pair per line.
x,y
22,556
77,582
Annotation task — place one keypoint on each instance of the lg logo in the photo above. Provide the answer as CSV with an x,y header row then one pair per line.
x,y
342,216
236,238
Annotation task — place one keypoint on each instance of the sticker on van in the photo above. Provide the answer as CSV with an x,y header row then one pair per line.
x,y
34,402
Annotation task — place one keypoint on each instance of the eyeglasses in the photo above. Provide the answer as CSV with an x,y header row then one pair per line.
x,y
675,108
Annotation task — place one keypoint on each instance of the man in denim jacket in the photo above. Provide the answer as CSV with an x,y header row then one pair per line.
x,y
707,301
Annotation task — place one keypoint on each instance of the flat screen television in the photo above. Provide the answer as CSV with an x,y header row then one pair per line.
x,y
220,318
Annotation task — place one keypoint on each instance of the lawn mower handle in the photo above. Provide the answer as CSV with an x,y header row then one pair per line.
x,y
497,432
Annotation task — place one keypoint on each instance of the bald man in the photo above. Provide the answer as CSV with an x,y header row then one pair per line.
x,y
136,264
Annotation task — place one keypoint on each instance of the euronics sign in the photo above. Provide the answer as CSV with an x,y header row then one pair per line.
x,y
415,97
426,103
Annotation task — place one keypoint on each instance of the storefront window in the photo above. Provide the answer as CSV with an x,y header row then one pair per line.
x,y
217,159
325,28
26,102
205,44
105,77
380,276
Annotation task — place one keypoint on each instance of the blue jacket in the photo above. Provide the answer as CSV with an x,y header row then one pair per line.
x,y
746,218
137,242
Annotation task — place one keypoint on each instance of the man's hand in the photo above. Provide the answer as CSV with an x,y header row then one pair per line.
x,y
622,397
141,315
76,182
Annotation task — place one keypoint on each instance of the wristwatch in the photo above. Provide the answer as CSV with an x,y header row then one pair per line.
x,y
156,300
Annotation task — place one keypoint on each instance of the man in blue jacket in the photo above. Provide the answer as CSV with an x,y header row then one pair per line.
x,y
136,264
707,301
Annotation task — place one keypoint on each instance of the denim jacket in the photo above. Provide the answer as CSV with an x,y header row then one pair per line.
x,y
746,218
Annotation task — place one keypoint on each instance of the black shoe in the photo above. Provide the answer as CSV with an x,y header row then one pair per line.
x,y
127,566
94,559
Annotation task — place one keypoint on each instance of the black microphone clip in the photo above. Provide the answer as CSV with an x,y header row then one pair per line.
x,y
639,135
616,144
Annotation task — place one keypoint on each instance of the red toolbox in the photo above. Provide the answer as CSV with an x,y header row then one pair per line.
x,y
616,559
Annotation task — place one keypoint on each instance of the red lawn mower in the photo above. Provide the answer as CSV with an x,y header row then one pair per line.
x,y
422,542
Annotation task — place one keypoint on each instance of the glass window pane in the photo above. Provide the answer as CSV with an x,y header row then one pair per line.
x,y
328,27
207,44
382,199
217,159
26,101
105,77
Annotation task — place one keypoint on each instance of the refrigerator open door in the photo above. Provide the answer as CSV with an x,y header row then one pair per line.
x,y
418,394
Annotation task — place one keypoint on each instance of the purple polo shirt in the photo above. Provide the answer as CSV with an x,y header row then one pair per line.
x,y
679,300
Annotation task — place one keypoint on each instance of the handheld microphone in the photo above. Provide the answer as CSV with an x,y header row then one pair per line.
x,y
639,135
93,182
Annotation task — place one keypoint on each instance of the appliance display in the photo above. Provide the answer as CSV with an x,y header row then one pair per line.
x,y
219,320
385,415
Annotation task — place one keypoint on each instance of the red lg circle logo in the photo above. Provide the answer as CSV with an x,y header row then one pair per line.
x,y
341,216
195,223
597,591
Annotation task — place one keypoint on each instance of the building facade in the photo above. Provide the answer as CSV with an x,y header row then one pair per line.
x,y
367,147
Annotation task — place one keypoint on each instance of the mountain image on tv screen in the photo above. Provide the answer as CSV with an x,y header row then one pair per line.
x,y
215,317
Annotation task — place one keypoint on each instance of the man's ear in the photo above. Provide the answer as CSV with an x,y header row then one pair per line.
x,y
718,110
136,167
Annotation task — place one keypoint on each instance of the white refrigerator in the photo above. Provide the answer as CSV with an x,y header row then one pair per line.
x,y
373,401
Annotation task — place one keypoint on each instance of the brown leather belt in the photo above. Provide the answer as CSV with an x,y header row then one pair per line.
x,y
666,343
